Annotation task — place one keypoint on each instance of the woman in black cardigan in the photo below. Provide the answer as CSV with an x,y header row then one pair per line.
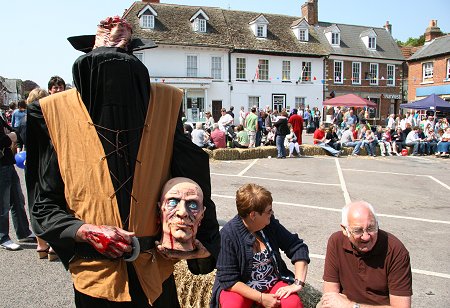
x,y
250,268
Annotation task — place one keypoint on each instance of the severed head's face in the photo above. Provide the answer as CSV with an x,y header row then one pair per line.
x,y
181,213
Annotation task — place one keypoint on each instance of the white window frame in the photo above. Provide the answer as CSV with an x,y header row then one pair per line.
x,y
302,35
260,30
191,66
253,101
356,72
241,69
147,21
337,64
200,25
263,69
286,70
216,67
306,71
335,38
427,70
390,81
448,70
373,80
372,44
299,103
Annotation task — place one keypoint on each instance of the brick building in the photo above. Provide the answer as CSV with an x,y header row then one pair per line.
x,y
362,60
429,67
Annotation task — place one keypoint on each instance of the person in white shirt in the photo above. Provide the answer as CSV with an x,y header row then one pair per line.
x,y
412,139
225,120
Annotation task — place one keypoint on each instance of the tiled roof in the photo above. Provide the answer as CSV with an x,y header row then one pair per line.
x,y
226,29
352,45
439,46
408,51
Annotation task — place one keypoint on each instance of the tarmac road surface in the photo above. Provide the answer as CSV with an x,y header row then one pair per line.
x,y
410,194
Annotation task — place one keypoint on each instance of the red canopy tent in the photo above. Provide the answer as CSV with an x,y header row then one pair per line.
x,y
349,100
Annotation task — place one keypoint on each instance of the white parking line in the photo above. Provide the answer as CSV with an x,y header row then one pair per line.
x,y
405,174
248,167
338,210
341,179
414,270
272,179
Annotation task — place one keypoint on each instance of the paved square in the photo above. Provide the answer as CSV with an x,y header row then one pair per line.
x,y
410,194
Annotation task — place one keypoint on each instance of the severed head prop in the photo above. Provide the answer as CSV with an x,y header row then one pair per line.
x,y
182,210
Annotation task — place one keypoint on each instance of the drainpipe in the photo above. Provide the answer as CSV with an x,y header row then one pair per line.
x,y
230,85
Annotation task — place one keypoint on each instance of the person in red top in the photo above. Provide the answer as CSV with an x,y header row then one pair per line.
x,y
218,137
296,121
321,141
364,265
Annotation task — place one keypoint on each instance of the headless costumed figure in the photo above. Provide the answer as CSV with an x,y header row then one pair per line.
x,y
98,157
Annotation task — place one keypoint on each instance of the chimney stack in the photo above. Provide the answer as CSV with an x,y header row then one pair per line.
x,y
433,31
151,1
310,10
388,27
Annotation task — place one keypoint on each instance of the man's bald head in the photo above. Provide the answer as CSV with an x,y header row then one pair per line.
x,y
357,209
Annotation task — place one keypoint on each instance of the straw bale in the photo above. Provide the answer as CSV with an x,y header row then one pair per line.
x,y
194,291
226,154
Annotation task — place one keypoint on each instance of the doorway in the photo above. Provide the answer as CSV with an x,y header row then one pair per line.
x,y
216,106
278,101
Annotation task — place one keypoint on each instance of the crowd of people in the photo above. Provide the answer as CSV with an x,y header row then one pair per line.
x,y
428,136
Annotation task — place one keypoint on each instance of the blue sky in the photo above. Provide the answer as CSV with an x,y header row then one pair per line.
x,y
34,46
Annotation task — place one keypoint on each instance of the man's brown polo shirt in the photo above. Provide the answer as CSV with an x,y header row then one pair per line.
x,y
369,278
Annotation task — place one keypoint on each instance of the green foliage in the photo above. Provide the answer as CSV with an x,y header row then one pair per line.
x,y
413,42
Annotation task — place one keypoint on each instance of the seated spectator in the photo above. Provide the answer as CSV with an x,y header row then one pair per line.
x,y
432,140
250,269
209,122
423,141
242,138
413,140
218,137
368,140
348,140
385,143
292,142
270,138
333,137
321,140
201,138
443,147
397,141
364,265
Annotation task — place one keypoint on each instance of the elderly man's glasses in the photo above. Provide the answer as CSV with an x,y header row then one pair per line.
x,y
358,232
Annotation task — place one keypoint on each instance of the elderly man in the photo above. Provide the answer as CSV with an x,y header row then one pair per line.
x,y
365,266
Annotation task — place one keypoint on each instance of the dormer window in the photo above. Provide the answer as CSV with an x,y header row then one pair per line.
x,y
335,38
200,25
199,21
301,29
259,26
369,38
147,17
260,31
333,35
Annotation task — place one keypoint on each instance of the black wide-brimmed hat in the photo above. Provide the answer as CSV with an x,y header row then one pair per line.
x,y
85,43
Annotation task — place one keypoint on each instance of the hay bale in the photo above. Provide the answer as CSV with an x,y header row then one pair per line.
x,y
195,291
259,152
311,150
226,154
